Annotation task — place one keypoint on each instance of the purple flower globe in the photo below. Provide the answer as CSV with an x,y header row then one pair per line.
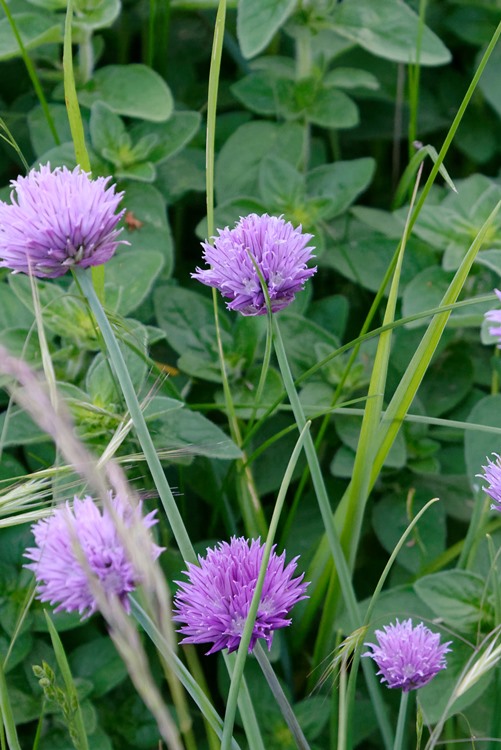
x,y
408,657
61,577
280,252
492,475
213,605
494,316
58,219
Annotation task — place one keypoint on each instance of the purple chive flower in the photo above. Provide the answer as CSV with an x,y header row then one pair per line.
x,y
61,577
214,604
280,251
58,219
408,657
494,316
493,476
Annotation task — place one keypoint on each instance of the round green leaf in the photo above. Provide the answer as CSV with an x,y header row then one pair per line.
x,y
131,90
258,21
34,29
388,29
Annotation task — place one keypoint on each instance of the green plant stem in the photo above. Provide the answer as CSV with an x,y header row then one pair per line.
x,y
231,704
280,697
32,73
370,609
414,76
250,505
71,692
6,713
85,56
76,125
144,437
190,684
246,708
402,717
199,677
476,529
317,478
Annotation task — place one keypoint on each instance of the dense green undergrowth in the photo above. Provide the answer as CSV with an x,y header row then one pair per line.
x,y
325,112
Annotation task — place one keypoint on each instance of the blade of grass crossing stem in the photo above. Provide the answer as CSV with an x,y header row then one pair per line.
x,y
411,380
280,697
76,125
340,512
246,707
407,388
78,723
150,454
182,673
332,536
243,648
31,72
358,490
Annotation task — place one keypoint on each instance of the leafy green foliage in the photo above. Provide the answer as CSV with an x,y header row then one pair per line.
x,y
315,104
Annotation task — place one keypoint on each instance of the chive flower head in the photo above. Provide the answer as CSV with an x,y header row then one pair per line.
x,y
58,219
408,657
214,603
268,242
79,540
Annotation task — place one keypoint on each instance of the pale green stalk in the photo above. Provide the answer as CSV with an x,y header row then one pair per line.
x,y
411,380
406,392
71,692
6,713
250,505
475,531
368,615
414,76
246,708
342,731
402,717
358,490
231,704
31,72
144,437
280,697
76,125
325,511
176,665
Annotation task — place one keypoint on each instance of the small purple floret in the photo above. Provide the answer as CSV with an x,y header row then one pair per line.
x,y
280,251
58,219
408,657
213,605
494,316
61,577
492,475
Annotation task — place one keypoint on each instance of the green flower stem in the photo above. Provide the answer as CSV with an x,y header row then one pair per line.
x,y
280,697
402,717
370,609
150,454
231,704
31,72
71,692
85,56
76,125
248,498
6,713
196,670
246,708
317,479
176,665
328,520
